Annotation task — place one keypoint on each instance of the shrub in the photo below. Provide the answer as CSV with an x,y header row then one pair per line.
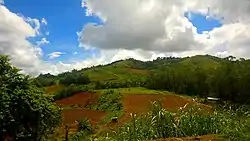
x,y
84,125
109,101
26,112
69,91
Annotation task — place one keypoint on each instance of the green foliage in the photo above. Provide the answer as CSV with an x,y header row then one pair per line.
x,y
112,115
70,91
84,130
79,136
66,78
205,76
84,125
44,80
26,113
109,101
74,77
159,123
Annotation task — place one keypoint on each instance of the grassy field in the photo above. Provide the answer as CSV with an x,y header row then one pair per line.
x,y
134,90
115,72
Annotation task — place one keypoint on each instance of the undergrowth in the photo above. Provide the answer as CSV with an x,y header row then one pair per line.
x,y
70,91
159,123
111,102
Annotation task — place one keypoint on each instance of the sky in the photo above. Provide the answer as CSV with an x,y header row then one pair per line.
x,y
45,36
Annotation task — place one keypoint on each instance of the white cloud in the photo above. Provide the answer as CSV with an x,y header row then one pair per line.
x,y
88,11
42,41
160,26
13,34
34,23
140,29
1,2
55,55
44,21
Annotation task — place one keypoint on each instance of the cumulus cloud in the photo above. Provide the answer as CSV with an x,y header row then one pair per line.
x,y
54,55
160,26
34,23
42,41
44,21
140,29
13,34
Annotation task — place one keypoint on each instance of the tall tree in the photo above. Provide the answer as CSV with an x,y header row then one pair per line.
x,y
26,113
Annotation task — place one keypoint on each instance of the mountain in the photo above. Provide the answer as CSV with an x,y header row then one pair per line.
x,y
134,70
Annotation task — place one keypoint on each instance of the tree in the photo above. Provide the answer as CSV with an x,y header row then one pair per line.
x,y
26,113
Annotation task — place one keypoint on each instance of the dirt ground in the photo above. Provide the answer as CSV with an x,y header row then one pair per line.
x,y
70,116
200,138
81,99
138,103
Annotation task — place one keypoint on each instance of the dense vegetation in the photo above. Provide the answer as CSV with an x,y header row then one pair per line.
x,y
227,78
203,76
26,113
111,102
160,123
69,91
66,78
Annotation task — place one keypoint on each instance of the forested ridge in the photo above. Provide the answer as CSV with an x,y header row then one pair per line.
x,y
202,75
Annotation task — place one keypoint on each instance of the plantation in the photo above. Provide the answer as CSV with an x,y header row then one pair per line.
x,y
130,100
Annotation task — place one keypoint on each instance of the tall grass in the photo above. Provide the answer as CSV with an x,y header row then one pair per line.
x,y
230,123
160,123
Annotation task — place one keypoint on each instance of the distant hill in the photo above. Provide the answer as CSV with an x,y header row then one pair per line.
x,y
134,70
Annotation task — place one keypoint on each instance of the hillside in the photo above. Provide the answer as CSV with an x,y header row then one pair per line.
x,y
109,94
131,69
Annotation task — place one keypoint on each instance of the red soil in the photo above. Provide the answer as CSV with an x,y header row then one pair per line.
x,y
72,115
81,99
142,103
138,103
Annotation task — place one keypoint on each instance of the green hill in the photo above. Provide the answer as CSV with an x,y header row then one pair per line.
x,y
131,72
124,70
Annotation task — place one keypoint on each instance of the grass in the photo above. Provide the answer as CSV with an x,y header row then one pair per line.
x,y
159,123
116,72
134,90
54,88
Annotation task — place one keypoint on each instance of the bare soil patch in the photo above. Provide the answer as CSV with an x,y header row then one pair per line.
x,y
82,99
139,103
70,116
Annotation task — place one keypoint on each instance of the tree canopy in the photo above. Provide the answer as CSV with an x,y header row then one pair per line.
x,y
26,113
228,80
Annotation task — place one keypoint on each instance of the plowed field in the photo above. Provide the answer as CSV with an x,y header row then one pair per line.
x,y
81,99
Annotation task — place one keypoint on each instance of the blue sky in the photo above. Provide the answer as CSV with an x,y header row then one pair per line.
x,y
67,17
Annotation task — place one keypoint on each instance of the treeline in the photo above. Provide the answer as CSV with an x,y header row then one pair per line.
x,y
67,78
119,84
227,79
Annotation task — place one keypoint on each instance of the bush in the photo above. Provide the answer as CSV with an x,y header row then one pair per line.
x,y
84,130
74,77
26,112
84,125
69,91
109,101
